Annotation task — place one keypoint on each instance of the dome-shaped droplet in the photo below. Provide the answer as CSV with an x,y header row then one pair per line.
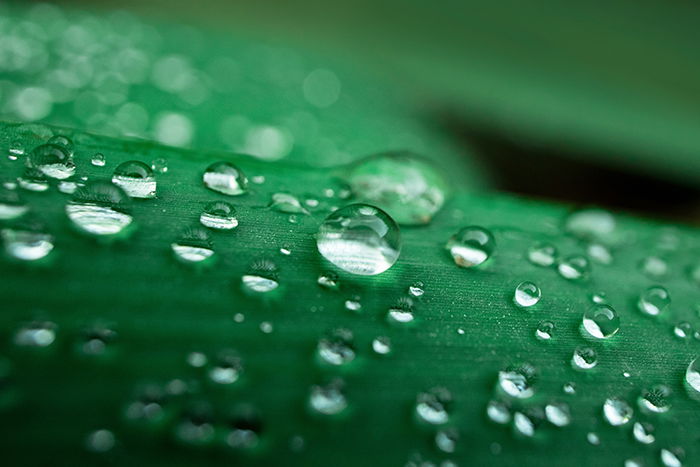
x,y
498,412
471,246
381,345
261,277
584,358
360,239
591,224
544,330
433,406
225,178
601,321
227,368
100,208
328,399
136,179
417,289
337,347
402,312
655,399
402,183
654,300
219,215
36,334
683,330
33,180
11,205
193,246
527,294
542,254
558,413
574,267
643,432
517,381
27,240
446,440
287,202
692,375
52,160
617,412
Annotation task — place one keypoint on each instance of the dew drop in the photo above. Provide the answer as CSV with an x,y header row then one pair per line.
x,y
656,399
653,300
11,205
227,370
471,246
98,160
416,289
593,438
402,183
353,304
672,457
33,180
433,406
136,179
643,432
498,412
359,239
261,277
226,178
584,358
544,330
52,160
523,424
36,334
683,330
219,215
159,165
527,294
27,240
558,413
446,440
329,280
286,202
574,267
654,267
16,150
328,399
617,412
517,381
542,254
381,345
601,321
100,441
193,246
402,312
196,359
591,224
337,347
100,208
569,388
599,253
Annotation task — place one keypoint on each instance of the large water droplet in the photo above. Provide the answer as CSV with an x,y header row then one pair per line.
x,y
52,160
544,330
193,246
402,183
517,381
656,399
558,413
653,300
100,208
471,246
136,179
219,215
527,294
433,406
225,178
617,412
360,239
601,321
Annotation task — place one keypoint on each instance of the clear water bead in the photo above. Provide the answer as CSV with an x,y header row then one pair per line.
x,y
328,399
654,300
337,347
100,208
574,267
692,376
433,406
558,413
617,412
591,224
542,254
52,160
643,432
261,277
98,160
584,358
601,321
381,345
527,294
219,215
402,183
517,381
471,246
27,241
655,399
11,205
226,178
136,179
498,412
544,330
359,239
193,246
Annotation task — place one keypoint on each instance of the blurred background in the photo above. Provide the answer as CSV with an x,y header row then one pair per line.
x,y
589,102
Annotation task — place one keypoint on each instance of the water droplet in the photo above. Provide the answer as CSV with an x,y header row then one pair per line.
x,y
266,327
328,399
226,178
11,205
471,246
402,312
193,246
558,413
261,278
246,429
591,224
381,345
617,412
643,432
672,457
195,426
62,141
69,186
542,254
584,358
523,424
416,289
593,438
219,215
159,165
100,208
228,369
683,330
433,405
569,388
498,412
100,441
599,298
655,399
599,253
16,150
353,304
402,183
36,334
654,267
545,330
446,440
359,239
601,321
136,179
692,375
634,462
286,202
33,180
654,300
329,280
574,267
517,381
527,294
286,251
98,160
52,160
27,240
337,347
197,359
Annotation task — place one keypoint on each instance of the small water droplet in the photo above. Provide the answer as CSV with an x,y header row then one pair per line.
x,y
523,424
655,399
286,202
433,405
329,280
219,215
591,224
574,267
353,304
471,246
95,340
328,399
569,388
11,205
381,345
16,150
527,294
643,432
337,347
193,246
634,462
226,178
683,330
601,321
27,240
52,160
261,277
197,359
359,239
544,330
593,438
599,253
266,327
558,413
100,208
98,160
617,412
517,381
33,180
584,358
159,165
227,370
416,289
446,440
498,412
402,312
136,179
100,441
36,334
672,457
654,267
286,251
542,254
653,300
